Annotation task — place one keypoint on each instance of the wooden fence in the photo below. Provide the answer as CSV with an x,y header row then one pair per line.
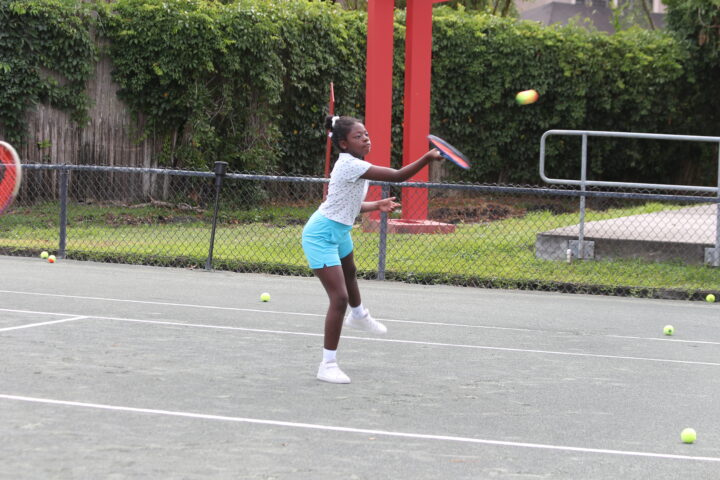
x,y
111,137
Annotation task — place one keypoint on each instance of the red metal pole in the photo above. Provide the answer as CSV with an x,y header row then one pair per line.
x,y
378,85
328,142
416,125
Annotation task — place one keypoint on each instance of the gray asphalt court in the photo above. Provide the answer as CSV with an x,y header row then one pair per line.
x,y
129,372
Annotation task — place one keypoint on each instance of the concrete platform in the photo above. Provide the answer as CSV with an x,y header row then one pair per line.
x,y
682,234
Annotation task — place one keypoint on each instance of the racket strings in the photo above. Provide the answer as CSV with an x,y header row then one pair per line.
x,y
449,152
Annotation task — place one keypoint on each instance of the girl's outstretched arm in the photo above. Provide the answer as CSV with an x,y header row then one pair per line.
x,y
386,174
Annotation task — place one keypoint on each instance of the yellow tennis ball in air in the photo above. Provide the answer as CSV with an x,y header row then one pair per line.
x,y
688,435
51,259
44,254
526,97
710,298
669,330
265,297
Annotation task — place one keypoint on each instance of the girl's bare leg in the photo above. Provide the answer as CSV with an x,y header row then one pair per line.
x,y
333,281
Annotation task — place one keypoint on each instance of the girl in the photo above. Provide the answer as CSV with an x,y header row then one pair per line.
x,y
326,237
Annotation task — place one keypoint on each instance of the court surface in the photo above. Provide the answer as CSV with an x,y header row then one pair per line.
x,y
118,371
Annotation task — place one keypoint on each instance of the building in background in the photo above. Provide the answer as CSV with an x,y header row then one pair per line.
x,y
603,14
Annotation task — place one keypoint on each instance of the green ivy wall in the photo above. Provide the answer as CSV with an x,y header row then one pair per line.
x,y
248,83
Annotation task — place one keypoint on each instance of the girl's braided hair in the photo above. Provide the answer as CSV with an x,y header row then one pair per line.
x,y
339,128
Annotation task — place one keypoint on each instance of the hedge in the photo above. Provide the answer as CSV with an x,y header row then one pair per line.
x,y
46,56
630,81
248,82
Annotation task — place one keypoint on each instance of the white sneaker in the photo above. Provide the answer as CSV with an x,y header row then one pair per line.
x,y
366,323
330,372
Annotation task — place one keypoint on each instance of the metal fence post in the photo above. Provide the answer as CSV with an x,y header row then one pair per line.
x,y
382,241
583,180
716,257
586,249
64,176
220,171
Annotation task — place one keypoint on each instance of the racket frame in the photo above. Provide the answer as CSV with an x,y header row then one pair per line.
x,y
5,204
449,152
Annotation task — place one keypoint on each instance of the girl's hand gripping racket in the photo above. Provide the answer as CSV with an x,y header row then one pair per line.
x,y
449,152
10,175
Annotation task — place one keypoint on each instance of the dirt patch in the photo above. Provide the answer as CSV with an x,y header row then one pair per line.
x,y
482,210
471,211
124,219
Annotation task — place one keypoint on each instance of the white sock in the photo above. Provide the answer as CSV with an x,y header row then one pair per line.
x,y
358,311
329,355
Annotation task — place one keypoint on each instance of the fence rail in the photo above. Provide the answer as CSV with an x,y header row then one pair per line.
x,y
580,249
476,235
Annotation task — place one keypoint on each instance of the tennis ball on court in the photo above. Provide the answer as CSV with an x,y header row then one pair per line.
x,y
526,97
51,259
44,254
669,330
688,435
710,298
265,297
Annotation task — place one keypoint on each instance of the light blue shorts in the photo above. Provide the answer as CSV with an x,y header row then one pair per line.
x,y
325,241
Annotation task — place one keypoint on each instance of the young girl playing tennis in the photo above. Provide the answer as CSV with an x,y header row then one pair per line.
x,y
326,237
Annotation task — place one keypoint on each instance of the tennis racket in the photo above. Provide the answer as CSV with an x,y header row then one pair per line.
x,y
449,152
10,175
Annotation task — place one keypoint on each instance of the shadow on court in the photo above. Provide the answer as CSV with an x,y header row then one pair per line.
x,y
116,371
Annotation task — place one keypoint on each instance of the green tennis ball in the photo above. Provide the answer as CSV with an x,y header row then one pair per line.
x,y
710,298
669,330
526,97
265,297
688,435
44,254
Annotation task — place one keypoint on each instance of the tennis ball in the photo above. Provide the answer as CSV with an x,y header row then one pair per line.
x,y
51,259
669,330
688,435
526,97
710,298
265,297
44,254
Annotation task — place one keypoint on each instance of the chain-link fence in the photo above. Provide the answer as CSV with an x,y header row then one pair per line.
x,y
643,243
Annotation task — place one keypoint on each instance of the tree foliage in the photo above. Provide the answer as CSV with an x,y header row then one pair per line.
x,y
240,82
631,81
697,21
247,82
497,7
204,74
46,56
697,25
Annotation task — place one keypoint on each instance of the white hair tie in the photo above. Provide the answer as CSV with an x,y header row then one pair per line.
x,y
334,119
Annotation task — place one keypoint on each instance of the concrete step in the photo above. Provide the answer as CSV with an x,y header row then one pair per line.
x,y
681,234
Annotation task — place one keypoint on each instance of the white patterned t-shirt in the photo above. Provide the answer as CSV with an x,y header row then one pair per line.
x,y
347,190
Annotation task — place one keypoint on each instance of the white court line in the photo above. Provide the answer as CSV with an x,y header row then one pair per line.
x,y
364,431
389,340
150,302
416,342
253,310
237,309
665,339
409,342
12,310
31,325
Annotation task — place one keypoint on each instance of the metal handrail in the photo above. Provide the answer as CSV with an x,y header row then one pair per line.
x,y
584,182
652,136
